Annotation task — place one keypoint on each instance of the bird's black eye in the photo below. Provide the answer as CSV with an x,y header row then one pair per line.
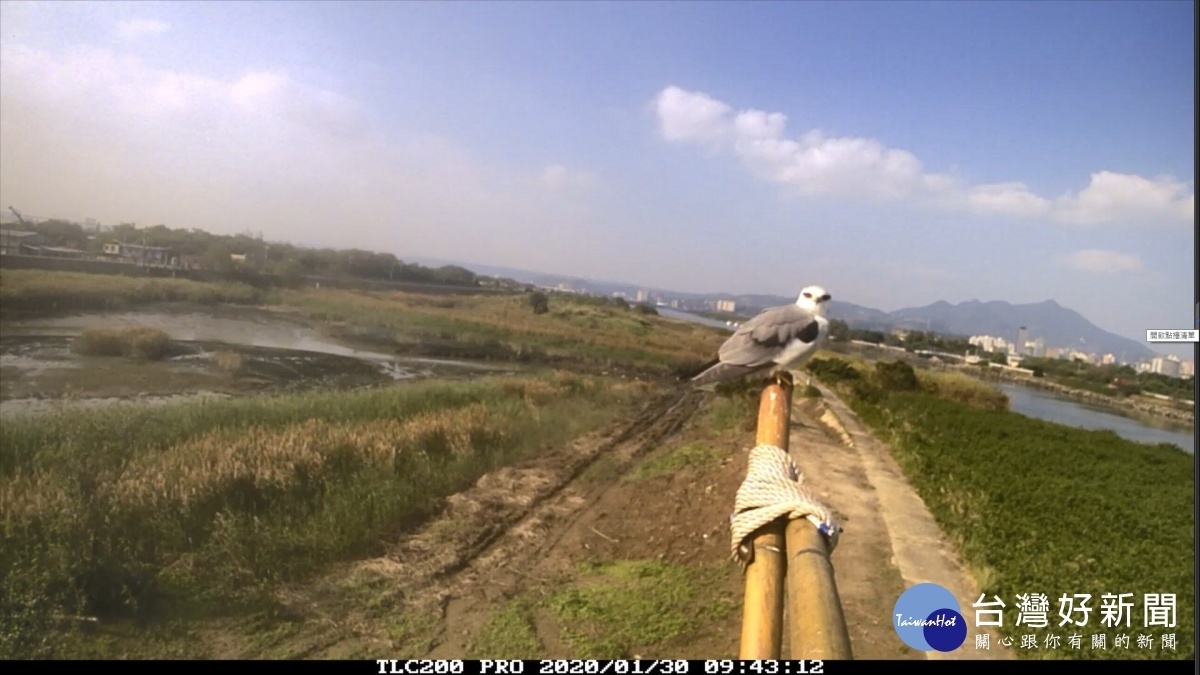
x,y
825,298
808,295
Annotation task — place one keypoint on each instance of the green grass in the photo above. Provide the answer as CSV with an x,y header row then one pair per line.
x,y
1037,507
39,291
200,508
616,610
690,457
508,634
506,328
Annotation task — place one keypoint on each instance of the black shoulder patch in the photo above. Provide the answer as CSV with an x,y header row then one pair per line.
x,y
810,332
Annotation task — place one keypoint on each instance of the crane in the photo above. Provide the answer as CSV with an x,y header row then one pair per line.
x,y
18,215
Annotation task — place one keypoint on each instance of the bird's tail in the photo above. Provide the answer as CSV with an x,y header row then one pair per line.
x,y
687,377
721,372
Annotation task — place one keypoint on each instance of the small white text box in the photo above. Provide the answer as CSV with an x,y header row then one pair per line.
x,y
1172,335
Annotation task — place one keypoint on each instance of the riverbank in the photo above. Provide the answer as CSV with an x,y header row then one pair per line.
x,y
1032,505
1132,406
1135,407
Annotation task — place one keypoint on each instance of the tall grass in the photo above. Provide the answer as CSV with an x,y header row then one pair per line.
x,y
37,291
139,342
505,326
199,507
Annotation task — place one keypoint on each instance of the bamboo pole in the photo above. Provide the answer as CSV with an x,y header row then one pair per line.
x,y
817,627
762,612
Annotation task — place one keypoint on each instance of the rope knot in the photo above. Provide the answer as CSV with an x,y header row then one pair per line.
x,y
774,488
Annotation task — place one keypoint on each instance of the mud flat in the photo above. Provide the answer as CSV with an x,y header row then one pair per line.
x,y
214,354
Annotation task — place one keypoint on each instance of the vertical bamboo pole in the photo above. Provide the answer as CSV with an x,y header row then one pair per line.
x,y
762,612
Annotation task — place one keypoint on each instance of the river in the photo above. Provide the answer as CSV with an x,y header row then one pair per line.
x,y
694,318
1042,405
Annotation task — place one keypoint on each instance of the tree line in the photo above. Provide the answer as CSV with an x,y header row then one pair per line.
x,y
1103,379
233,253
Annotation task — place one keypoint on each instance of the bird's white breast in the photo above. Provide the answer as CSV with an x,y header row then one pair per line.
x,y
797,351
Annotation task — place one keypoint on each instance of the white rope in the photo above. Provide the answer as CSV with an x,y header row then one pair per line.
x,y
774,488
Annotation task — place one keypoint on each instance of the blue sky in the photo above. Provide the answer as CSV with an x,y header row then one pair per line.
x,y
898,153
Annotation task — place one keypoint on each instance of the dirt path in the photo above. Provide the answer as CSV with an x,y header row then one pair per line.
x,y
861,480
618,546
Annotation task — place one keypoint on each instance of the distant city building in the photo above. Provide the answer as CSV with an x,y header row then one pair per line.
x,y
1022,338
726,306
990,343
1187,369
643,295
1108,359
1054,353
1165,365
1039,348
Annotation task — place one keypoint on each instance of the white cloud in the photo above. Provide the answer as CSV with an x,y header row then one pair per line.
x,y
132,29
1014,199
126,85
95,133
1119,197
691,116
854,167
1101,262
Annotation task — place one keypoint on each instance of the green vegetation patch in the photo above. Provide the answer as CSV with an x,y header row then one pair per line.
x,y
690,457
1037,507
508,634
617,609
38,291
202,508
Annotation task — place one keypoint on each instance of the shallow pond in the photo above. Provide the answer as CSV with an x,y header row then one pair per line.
x,y
218,353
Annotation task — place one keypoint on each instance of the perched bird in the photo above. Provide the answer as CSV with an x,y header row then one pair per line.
x,y
778,339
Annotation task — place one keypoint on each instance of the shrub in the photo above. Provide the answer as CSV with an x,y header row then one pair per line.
x,y
896,376
832,370
539,302
150,344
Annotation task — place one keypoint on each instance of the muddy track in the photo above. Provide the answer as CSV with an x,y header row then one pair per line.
x,y
512,515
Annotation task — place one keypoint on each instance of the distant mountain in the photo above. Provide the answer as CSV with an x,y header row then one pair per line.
x,y
1058,326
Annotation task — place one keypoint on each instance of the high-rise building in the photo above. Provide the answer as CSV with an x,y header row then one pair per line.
x,y
1022,338
1187,369
1039,348
1165,365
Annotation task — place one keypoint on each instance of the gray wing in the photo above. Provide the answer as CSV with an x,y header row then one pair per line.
x,y
758,341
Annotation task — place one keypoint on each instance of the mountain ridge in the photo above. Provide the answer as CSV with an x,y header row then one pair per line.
x,y
1057,325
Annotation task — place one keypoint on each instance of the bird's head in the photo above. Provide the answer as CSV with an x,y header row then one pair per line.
x,y
814,299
